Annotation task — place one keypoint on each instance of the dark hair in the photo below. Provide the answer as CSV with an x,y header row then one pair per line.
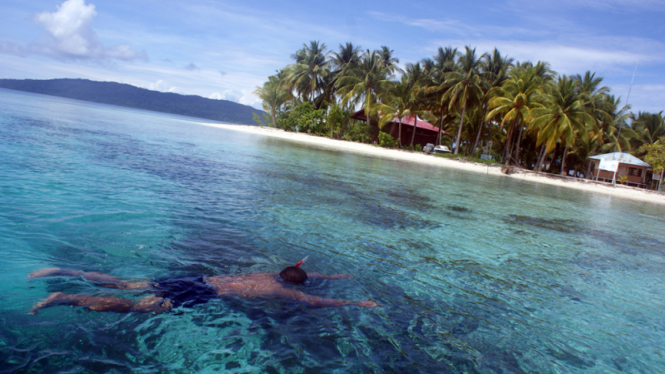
x,y
294,275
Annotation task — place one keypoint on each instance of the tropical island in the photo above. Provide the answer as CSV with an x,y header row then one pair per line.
x,y
126,95
521,114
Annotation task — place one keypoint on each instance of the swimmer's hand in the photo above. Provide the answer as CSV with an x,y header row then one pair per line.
x,y
333,276
340,276
367,303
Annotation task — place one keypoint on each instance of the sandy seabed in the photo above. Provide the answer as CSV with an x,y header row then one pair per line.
x,y
422,158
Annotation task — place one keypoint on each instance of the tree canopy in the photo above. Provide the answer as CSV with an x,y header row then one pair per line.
x,y
516,111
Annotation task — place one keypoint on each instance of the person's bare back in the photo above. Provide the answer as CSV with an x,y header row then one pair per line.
x,y
268,285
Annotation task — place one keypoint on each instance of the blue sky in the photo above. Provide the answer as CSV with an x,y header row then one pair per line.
x,y
223,50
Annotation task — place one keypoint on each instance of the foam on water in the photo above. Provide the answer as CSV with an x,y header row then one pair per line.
x,y
474,273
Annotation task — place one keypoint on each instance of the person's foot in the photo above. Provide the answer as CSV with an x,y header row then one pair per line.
x,y
367,303
43,272
53,298
154,304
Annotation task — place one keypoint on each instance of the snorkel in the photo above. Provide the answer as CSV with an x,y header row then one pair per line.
x,y
301,262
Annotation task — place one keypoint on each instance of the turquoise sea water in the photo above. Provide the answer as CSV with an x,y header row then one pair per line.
x,y
474,273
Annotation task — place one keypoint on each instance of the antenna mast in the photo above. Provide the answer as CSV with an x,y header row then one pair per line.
x,y
626,106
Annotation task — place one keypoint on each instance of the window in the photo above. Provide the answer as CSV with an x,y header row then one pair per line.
x,y
634,172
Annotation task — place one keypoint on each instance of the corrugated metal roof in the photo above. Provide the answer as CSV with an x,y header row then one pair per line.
x,y
407,121
622,157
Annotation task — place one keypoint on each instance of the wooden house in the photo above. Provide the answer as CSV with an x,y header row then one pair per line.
x,y
425,131
611,167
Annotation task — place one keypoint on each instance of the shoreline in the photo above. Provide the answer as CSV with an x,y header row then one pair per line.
x,y
620,191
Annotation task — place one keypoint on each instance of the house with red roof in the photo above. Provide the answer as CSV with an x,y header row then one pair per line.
x,y
425,131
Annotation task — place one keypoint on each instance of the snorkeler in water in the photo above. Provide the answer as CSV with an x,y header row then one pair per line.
x,y
188,291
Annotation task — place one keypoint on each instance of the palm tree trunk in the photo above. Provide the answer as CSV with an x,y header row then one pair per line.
x,y
588,173
517,148
459,132
415,125
507,150
274,123
480,130
588,168
595,148
541,156
438,139
399,138
563,161
553,158
662,173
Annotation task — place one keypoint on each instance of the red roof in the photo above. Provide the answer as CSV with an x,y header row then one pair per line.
x,y
408,121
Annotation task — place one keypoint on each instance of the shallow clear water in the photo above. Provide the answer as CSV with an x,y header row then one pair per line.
x,y
474,273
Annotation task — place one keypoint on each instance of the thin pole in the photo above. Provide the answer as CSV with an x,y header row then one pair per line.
x,y
626,106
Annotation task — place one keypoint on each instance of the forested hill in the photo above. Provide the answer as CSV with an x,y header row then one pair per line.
x,y
134,97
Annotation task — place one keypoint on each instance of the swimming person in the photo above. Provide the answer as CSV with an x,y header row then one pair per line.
x,y
188,291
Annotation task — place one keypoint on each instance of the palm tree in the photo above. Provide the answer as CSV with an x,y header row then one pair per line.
x,y
466,87
595,99
401,99
588,86
341,61
545,78
365,81
396,103
514,100
612,131
274,95
435,85
562,118
494,71
348,55
649,127
307,73
389,61
417,78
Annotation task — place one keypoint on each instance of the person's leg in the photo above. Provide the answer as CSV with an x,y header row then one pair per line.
x,y
98,279
147,304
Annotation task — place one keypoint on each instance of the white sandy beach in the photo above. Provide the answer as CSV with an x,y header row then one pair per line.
x,y
422,158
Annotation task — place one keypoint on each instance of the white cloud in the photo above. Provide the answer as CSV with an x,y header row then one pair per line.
x,y
245,97
454,27
12,49
70,35
643,97
623,5
248,98
162,86
563,58
231,95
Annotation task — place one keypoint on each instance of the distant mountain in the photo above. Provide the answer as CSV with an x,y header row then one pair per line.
x,y
133,97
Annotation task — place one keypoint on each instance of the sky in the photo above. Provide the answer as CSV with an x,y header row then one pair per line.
x,y
224,50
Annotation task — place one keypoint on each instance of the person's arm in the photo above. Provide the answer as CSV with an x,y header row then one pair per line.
x,y
332,276
322,302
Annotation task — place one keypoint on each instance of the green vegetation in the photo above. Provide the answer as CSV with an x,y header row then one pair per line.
x,y
523,113
304,117
387,141
133,97
655,156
